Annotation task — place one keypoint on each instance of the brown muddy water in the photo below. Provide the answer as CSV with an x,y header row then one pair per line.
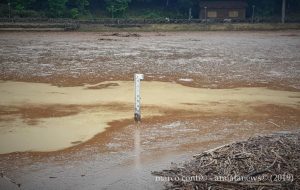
x,y
42,117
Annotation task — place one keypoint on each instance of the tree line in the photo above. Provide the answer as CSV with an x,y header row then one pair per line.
x,y
126,8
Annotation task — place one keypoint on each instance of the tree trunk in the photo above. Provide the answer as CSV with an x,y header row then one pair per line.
x,y
283,11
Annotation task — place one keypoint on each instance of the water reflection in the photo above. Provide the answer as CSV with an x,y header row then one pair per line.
x,y
137,146
137,157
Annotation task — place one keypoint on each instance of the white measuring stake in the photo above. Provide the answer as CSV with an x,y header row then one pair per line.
x,y
137,88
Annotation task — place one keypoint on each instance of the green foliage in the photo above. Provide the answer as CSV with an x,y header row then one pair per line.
x,y
149,9
80,5
29,13
153,15
20,5
74,13
20,8
117,8
57,8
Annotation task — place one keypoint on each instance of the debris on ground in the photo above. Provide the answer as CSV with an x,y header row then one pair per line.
x,y
107,39
126,34
268,162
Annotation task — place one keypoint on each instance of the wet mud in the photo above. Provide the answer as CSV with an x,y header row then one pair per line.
x,y
66,106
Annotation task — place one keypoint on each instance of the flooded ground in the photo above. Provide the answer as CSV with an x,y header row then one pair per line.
x,y
79,113
66,107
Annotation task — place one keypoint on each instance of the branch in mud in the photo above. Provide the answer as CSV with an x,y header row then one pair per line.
x,y
270,162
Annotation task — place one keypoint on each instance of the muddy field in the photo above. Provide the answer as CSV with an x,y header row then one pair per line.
x,y
212,59
66,108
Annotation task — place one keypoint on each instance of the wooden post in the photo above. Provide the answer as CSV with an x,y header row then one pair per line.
x,y
137,89
190,13
283,11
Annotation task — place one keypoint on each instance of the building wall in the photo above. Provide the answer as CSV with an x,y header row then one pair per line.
x,y
223,13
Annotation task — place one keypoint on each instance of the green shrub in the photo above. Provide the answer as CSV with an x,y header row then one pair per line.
x,y
74,13
153,15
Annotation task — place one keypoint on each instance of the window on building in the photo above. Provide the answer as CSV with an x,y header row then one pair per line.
x,y
233,14
212,14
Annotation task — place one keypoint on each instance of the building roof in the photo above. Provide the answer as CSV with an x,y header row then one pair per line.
x,y
223,4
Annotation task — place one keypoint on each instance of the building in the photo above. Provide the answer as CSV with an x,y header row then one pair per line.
x,y
223,9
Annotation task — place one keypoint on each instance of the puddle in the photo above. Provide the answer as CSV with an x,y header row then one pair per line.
x,y
86,110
